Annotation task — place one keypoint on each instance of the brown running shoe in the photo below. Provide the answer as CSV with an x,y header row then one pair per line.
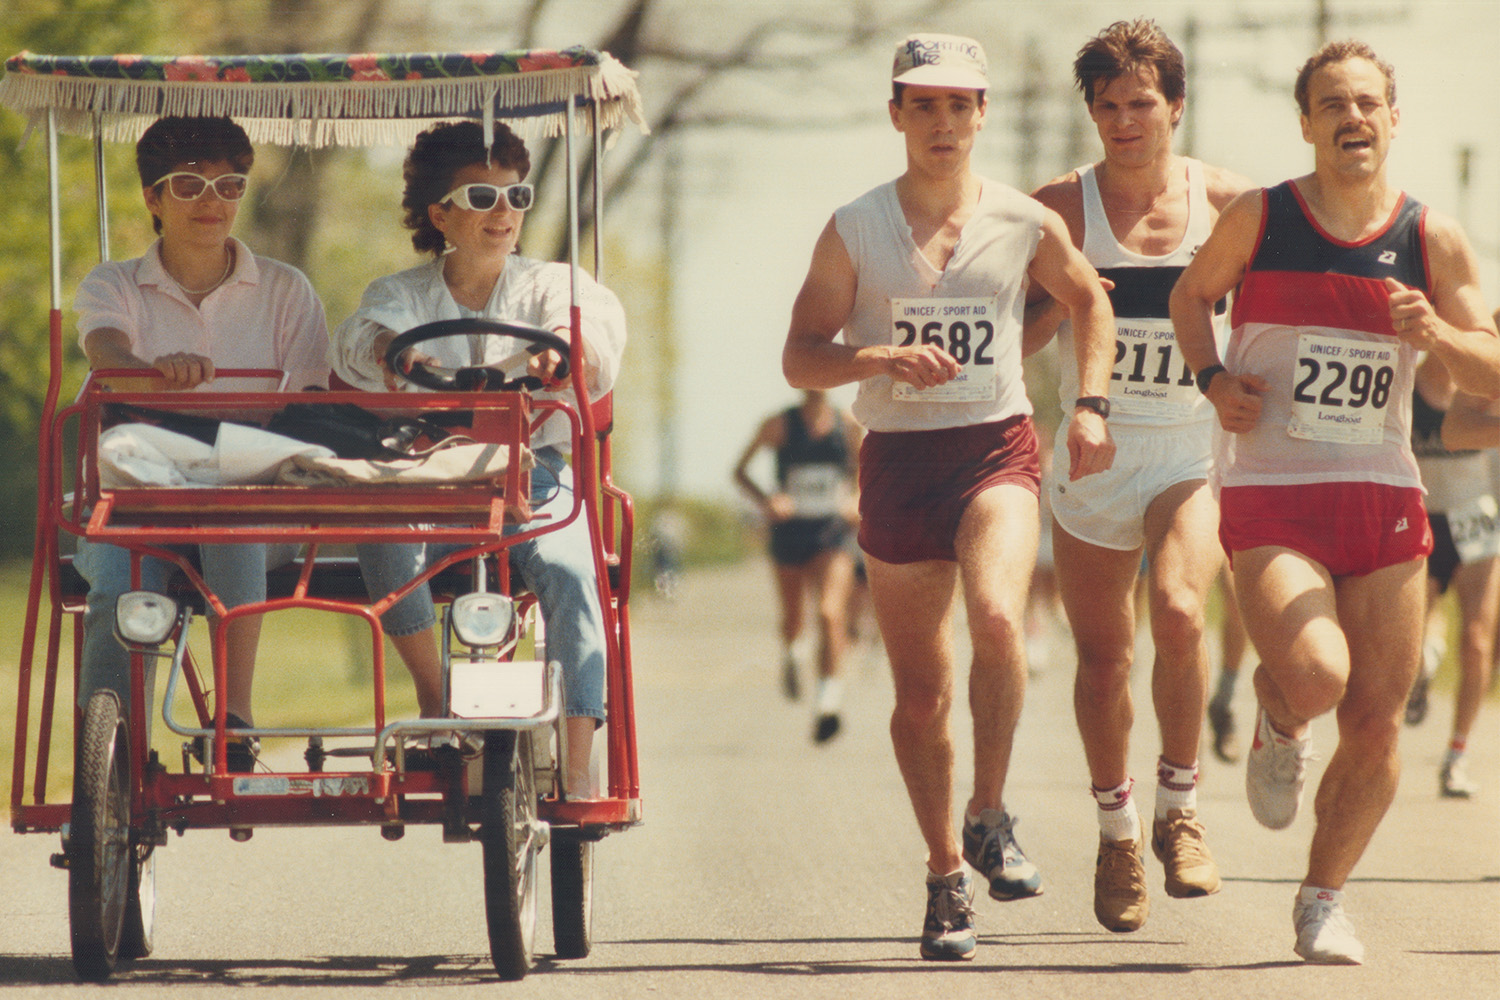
x,y
1120,900
1177,842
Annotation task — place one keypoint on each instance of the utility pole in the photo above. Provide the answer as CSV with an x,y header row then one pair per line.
x,y
665,361
1465,185
1323,20
1029,124
1322,23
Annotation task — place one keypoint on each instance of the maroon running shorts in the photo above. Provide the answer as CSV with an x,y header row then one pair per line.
x,y
1350,528
915,485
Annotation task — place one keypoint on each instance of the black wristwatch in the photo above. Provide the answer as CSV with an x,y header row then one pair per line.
x,y
1205,377
1099,404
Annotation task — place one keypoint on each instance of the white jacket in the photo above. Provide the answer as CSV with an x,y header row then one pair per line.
x,y
529,291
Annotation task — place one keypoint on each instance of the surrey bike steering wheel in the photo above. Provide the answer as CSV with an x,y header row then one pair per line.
x,y
477,377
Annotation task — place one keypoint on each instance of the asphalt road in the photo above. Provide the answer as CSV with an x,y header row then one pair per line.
x,y
768,867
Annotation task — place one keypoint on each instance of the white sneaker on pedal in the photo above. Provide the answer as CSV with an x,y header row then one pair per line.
x,y
1275,770
1324,934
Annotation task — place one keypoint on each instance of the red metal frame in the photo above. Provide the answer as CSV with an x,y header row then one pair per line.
x,y
145,519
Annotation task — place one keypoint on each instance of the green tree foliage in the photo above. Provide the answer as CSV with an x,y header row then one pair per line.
x,y
61,27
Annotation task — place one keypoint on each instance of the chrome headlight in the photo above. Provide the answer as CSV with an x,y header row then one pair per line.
x,y
144,618
481,620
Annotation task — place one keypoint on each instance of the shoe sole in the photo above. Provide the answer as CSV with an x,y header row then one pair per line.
x,y
1183,891
1120,926
947,956
1005,895
1316,959
1119,923
1006,892
1187,890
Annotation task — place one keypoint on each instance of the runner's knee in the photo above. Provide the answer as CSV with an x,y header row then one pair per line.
x,y
1176,626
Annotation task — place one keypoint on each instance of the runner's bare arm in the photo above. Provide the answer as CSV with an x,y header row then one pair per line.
x,y
1223,187
812,360
1454,323
1044,314
772,435
1471,422
1060,268
1214,272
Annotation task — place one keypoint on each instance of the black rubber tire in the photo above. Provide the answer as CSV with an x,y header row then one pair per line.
x,y
508,834
572,894
140,905
100,859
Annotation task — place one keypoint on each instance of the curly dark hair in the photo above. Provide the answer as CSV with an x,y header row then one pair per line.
x,y
438,154
174,142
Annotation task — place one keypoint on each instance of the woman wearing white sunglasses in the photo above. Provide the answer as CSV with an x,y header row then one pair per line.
x,y
195,302
465,204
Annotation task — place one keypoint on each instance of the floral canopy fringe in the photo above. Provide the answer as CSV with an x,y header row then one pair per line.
x,y
323,100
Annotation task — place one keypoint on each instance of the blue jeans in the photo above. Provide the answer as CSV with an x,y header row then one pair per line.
x,y
235,573
557,566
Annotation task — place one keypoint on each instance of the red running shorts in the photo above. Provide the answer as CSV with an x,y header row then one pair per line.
x,y
1350,528
915,485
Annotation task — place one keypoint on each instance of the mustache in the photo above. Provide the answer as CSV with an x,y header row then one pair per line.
x,y
1352,130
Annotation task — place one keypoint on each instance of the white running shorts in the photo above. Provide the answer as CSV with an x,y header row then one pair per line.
x,y
1108,509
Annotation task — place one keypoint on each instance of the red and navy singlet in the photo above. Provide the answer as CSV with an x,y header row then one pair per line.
x,y
1312,317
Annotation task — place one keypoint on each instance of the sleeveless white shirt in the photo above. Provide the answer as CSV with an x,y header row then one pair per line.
x,y
975,306
1150,385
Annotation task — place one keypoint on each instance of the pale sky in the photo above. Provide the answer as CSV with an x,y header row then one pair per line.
x,y
754,203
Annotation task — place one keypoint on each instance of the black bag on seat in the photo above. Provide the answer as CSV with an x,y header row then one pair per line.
x,y
195,426
352,431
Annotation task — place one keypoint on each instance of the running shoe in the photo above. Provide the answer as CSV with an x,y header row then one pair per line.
x,y
1120,900
990,848
826,727
791,684
1454,780
1416,701
240,752
948,930
826,720
1324,934
428,751
1226,734
1178,844
1275,770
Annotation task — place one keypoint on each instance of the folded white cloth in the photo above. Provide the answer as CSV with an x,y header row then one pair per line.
x,y
460,463
144,455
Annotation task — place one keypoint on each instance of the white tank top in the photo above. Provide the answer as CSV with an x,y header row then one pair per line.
x,y
1151,385
975,307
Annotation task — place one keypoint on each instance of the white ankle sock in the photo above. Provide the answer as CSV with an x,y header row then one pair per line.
x,y
830,694
1118,819
1312,894
1176,787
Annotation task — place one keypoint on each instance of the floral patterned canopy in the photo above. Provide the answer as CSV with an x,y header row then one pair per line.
x,y
318,100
